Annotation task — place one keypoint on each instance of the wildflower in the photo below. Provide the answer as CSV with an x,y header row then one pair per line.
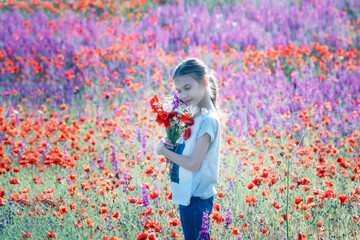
x,y
239,167
27,235
14,181
231,185
115,160
145,198
204,111
142,236
205,226
228,218
175,222
235,231
298,200
52,235
329,193
87,168
217,217
343,199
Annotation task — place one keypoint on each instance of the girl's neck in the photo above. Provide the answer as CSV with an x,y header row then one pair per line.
x,y
205,103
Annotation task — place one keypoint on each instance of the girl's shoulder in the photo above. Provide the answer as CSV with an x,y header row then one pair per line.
x,y
212,113
209,117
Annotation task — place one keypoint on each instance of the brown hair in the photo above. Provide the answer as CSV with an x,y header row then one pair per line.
x,y
197,69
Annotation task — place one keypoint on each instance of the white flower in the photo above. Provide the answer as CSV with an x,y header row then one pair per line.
x,y
204,111
181,109
193,109
167,106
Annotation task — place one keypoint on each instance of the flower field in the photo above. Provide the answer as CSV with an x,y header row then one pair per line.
x,y
77,140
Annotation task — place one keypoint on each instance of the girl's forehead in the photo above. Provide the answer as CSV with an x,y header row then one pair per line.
x,y
181,81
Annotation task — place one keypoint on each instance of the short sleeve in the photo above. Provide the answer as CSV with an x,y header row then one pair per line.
x,y
210,126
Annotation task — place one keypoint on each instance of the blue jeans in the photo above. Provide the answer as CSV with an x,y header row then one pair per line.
x,y
191,217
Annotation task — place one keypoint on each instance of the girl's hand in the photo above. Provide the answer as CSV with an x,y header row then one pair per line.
x,y
164,143
160,147
169,145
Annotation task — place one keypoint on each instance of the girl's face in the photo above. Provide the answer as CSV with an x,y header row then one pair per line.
x,y
189,90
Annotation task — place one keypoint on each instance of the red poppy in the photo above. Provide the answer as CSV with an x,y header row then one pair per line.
x,y
305,181
235,231
187,134
175,222
329,193
316,192
257,181
298,200
142,236
14,181
154,194
265,173
250,185
218,217
251,200
276,205
302,237
221,194
343,199
187,119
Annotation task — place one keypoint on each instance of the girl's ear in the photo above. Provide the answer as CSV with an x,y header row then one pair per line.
x,y
206,81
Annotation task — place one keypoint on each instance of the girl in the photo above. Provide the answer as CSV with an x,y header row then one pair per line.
x,y
196,161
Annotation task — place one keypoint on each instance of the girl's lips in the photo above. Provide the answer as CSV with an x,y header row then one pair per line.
x,y
187,102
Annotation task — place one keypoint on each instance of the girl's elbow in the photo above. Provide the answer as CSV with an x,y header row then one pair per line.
x,y
194,167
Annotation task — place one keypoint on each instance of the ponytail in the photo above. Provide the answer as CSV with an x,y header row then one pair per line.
x,y
213,90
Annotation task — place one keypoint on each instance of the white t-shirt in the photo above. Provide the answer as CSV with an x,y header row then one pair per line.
x,y
184,183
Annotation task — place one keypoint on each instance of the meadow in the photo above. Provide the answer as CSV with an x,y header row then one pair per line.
x,y
77,139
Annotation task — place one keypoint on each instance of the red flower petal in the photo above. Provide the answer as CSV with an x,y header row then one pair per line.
x,y
187,134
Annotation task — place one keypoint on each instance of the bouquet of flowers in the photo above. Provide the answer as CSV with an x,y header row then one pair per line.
x,y
174,115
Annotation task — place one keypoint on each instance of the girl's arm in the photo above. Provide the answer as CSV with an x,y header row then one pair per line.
x,y
191,163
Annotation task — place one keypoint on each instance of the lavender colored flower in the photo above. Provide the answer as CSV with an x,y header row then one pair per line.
x,y
126,182
138,133
146,201
239,167
205,226
231,185
115,160
143,142
228,218
176,101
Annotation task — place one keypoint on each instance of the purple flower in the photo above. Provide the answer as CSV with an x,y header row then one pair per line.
x,y
176,101
228,218
231,185
239,167
126,182
138,132
145,194
115,160
205,226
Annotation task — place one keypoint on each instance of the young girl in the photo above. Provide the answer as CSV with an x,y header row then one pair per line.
x,y
196,161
